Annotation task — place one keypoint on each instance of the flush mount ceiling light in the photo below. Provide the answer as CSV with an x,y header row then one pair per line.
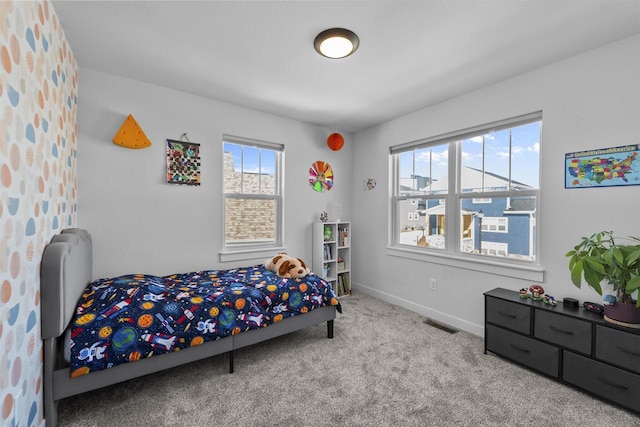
x,y
336,43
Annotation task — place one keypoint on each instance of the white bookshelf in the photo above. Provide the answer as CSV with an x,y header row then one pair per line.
x,y
332,255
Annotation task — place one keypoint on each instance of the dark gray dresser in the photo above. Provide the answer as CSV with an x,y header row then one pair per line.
x,y
572,345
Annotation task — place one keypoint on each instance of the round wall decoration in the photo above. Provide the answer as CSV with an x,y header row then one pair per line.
x,y
321,176
335,141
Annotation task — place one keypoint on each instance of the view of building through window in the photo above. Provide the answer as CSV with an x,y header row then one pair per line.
x,y
251,195
491,206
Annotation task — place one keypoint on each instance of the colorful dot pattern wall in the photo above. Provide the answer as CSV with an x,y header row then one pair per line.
x,y
38,103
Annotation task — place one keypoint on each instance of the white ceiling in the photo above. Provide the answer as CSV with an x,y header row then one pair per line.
x,y
412,54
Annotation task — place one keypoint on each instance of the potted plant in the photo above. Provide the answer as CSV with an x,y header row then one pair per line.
x,y
599,257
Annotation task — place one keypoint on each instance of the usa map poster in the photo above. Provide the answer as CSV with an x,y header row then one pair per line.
x,y
605,167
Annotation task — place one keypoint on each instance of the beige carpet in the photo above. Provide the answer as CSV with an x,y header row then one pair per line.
x,y
385,367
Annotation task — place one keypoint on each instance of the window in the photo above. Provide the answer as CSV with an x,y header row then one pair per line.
x,y
252,194
495,224
495,249
482,200
479,188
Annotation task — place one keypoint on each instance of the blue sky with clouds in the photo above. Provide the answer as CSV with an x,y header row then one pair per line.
x,y
525,155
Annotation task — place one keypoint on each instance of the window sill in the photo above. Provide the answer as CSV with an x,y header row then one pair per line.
x,y
247,254
518,271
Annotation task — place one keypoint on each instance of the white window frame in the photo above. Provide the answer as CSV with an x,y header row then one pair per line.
x,y
452,254
255,250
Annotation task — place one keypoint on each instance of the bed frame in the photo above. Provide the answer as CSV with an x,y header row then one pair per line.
x,y
65,273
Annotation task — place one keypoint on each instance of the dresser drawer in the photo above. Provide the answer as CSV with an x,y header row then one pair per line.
x,y
562,330
510,315
526,351
611,383
618,347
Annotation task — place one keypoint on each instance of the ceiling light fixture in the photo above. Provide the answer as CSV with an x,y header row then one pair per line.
x,y
336,43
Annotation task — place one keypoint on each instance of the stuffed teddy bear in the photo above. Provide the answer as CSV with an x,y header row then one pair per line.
x,y
290,268
272,262
286,266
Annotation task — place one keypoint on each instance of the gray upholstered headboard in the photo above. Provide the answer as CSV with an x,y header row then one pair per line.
x,y
65,272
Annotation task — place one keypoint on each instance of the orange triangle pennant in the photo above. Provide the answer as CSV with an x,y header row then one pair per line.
x,y
131,135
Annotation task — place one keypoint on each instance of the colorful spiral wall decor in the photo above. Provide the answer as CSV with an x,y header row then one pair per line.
x,y
321,176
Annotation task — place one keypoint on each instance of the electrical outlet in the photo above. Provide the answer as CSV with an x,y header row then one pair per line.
x,y
434,284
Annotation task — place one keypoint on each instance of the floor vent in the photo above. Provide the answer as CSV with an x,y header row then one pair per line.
x,y
440,326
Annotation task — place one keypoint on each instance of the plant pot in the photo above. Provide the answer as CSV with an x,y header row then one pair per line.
x,y
624,314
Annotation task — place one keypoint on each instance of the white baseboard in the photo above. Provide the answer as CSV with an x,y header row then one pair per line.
x,y
438,316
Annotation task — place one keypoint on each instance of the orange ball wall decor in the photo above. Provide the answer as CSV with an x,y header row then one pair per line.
x,y
335,141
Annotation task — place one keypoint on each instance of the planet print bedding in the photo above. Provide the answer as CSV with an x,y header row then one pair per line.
x,y
131,317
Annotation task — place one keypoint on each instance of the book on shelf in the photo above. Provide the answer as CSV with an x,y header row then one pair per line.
x,y
343,286
327,252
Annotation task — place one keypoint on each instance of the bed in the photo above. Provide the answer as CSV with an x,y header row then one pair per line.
x,y
181,318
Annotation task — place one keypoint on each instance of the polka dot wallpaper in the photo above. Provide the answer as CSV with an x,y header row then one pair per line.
x,y
38,83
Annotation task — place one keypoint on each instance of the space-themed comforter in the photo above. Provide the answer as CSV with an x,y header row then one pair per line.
x,y
127,318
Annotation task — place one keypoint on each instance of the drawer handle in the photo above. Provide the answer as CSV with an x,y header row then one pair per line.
x,y
609,383
523,350
553,328
510,316
624,350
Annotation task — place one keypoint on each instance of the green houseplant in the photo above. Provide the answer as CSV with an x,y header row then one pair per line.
x,y
601,257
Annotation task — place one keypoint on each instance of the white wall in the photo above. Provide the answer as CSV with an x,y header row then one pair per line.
x,y
588,101
142,224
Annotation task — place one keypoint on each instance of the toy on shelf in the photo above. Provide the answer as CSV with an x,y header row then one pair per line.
x,y
548,299
327,233
524,293
609,299
537,292
324,216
